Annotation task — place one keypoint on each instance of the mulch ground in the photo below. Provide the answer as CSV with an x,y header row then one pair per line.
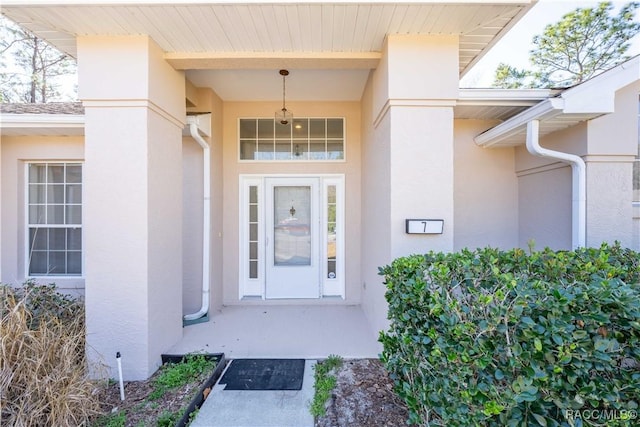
x,y
364,397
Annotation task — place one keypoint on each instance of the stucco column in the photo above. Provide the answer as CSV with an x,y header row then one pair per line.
x,y
609,201
132,211
407,156
418,95
609,161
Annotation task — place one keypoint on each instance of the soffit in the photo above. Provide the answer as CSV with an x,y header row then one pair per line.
x,y
552,115
497,104
256,34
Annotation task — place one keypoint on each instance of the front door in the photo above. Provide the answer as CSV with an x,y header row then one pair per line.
x,y
292,238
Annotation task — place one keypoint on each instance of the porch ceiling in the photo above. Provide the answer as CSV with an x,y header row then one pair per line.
x,y
261,35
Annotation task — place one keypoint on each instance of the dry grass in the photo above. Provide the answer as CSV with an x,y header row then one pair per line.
x,y
43,379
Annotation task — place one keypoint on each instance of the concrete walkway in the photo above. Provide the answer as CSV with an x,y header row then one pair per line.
x,y
259,408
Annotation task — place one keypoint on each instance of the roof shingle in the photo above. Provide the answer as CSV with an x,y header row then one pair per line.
x,y
46,108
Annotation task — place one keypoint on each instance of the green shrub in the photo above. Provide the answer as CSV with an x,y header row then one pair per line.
x,y
502,338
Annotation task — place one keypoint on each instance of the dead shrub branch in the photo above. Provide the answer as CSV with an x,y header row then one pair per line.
x,y
43,369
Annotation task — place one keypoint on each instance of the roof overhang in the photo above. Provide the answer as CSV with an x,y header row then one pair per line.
x,y
496,104
251,34
583,102
41,124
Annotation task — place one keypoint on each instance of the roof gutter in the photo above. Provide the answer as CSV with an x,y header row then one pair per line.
x,y
579,182
531,118
544,110
192,122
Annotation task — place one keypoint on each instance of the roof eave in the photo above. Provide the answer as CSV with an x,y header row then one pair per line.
x,y
498,37
545,109
585,101
39,124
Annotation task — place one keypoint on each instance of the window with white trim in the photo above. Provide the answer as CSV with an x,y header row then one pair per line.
x,y
314,139
54,219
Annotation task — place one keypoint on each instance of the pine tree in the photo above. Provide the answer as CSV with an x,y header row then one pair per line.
x,y
582,44
30,68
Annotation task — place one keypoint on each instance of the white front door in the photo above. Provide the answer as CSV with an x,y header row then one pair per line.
x,y
292,253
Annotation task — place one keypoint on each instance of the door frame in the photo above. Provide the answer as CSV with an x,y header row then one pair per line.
x,y
252,254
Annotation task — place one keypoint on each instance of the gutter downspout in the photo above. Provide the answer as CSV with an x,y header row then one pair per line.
x,y
206,225
579,182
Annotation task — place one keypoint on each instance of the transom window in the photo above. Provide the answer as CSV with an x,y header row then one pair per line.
x,y
54,219
315,139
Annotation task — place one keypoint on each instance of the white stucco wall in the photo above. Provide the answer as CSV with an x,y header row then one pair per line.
x,y
421,177
608,144
544,191
192,202
408,160
117,310
612,148
15,152
636,228
217,199
233,168
376,198
193,210
544,208
164,213
609,205
485,191
617,133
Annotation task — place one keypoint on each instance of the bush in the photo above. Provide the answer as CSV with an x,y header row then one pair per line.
x,y
43,378
502,338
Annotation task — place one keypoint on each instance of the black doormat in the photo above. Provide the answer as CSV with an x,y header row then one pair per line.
x,y
264,374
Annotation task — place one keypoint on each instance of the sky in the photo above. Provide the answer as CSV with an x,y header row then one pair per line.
x,y
514,47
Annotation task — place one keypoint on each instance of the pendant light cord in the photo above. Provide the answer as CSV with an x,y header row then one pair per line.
x,y
284,74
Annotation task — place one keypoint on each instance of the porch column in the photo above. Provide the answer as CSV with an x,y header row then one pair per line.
x,y
134,115
609,162
407,156
421,89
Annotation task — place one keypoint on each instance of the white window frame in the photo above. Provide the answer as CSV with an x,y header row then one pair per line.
x,y
344,143
28,225
251,287
256,288
332,287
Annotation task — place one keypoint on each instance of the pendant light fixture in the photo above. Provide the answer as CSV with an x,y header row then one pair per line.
x,y
284,116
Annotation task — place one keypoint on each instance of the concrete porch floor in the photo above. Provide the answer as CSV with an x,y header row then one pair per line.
x,y
270,331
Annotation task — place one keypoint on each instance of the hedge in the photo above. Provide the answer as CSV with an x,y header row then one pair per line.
x,y
506,338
